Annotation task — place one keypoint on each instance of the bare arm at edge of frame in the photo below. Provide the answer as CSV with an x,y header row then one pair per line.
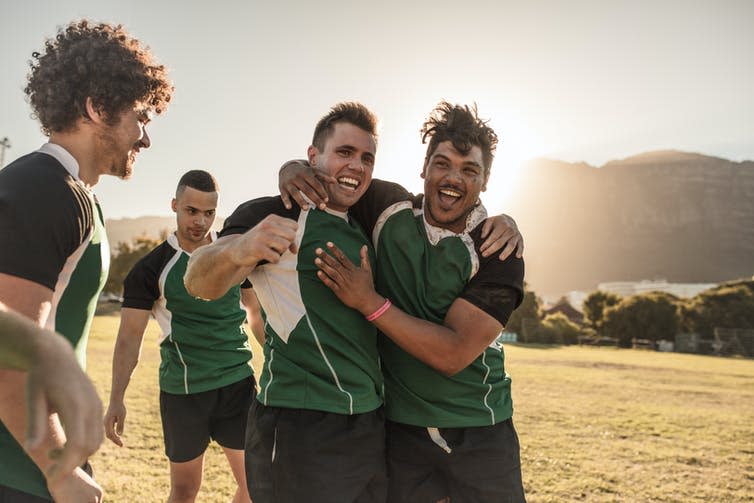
x,y
34,301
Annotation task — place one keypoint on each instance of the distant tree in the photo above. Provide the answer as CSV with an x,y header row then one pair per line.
x,y
652,316
556,328
528,310
746,283
125,257
594,307
726,306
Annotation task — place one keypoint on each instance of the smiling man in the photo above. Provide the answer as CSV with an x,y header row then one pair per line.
x,y
206,382
93,88
316,430
441,304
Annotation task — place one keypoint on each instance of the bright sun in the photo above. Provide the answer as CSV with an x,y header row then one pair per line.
x,y
518,144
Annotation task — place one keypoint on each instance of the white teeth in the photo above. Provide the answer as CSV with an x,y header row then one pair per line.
x,y
351,182
451,193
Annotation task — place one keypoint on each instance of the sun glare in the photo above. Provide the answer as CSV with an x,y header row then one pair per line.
x,y
518,144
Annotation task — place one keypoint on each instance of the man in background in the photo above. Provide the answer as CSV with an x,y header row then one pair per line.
x,y
206,382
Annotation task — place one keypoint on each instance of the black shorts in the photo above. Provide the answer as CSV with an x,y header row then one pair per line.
x,y
189,421
483,464
295,455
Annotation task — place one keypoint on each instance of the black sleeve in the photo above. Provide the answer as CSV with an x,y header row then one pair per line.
x,y
252,212
498,286
45,215
141,287
378,197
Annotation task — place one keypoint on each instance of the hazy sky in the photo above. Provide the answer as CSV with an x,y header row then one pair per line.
x,y
575,80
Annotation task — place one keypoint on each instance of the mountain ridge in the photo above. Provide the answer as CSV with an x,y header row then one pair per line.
x,y
681,216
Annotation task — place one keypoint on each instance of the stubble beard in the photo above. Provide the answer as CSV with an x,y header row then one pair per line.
x,y
448,222
121,165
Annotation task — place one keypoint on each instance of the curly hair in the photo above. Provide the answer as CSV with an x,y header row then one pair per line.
x,y
461,125
98,61
349,112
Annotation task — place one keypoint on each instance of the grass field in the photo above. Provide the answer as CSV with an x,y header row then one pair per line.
x,y
595,424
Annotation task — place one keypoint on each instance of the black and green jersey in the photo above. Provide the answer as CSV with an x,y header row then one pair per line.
x,y
203,345
319,354
52,233
423,269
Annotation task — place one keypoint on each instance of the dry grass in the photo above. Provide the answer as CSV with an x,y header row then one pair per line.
x,y
599,424
595,424
138,472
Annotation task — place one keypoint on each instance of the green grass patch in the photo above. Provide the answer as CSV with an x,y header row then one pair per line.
x,y
595,424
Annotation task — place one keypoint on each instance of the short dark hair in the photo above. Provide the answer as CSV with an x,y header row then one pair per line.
x,y
349,112
197,179
461,125
98,61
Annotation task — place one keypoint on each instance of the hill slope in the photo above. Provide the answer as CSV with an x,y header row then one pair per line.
x,y
681,216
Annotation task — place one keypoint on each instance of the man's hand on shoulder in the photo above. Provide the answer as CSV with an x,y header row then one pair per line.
x,y
297,179
501,232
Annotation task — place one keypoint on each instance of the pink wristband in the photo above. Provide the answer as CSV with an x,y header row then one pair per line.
x,y
379,312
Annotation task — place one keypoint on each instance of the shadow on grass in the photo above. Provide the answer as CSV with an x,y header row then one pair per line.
x,y
107,309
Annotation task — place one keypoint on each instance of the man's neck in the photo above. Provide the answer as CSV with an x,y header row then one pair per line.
x,y
190,246
82,147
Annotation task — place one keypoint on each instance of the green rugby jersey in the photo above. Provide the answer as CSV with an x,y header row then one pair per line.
x,y
53,234
319,354
423,269
203,345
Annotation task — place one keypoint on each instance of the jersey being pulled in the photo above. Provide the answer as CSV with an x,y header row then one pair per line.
x,y
203,345
319,354
52,233
423,269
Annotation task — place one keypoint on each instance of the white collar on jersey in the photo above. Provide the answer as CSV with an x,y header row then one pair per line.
x,y
341,214
435,234
63,157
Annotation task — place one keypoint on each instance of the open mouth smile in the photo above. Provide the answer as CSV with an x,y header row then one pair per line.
x,y
348,182
449,196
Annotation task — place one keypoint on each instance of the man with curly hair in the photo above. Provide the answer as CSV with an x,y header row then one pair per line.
x,y
93,89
